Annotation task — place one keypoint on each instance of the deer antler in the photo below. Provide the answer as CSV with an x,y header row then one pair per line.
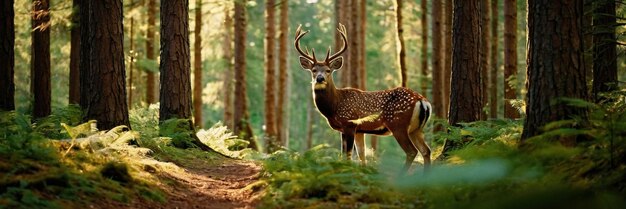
x,y
299,35
342,31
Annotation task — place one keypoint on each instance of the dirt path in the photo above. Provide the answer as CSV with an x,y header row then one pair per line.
x,y
219,186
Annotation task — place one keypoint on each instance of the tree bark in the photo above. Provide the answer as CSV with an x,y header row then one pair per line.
x,y
447,66
131,62
40,61
241,117
270,74
437,56
424,47
510,58
493,71
228,70
150,55
74,97
106,100
401,48
555,64
484,52
604,49
197,66
283,75
85,60
465,98
7,56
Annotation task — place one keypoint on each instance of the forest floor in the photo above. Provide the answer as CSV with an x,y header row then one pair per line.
x,y
201,185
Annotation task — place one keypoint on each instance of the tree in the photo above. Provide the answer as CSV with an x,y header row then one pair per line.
x,y
74,97
7,53
150,55
85,49
354,41
484,51
493,70
106,96
465,96
424,49
282,124
604,48
437,56
40,61
227,56
401,48
131,62
447,66
241,117
510,57
270,74
197,66
555,64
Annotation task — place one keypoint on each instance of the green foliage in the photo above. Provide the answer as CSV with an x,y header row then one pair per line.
x,y
220,139
179,131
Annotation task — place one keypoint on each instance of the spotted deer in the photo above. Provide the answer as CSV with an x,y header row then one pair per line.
x,y
400,112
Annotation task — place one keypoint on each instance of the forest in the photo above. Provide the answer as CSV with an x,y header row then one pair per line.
x,y
225,104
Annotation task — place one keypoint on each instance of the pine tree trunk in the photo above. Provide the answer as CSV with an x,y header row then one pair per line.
x,y
270,74
437,64
424,47
493,71
131,62
40,61
197,66
343,9
353,49
283,75
106,100
150,37
85,60
228,70
401,48
447,42
7,56
74,97
510,58
555,64
484,52
604,49
241,117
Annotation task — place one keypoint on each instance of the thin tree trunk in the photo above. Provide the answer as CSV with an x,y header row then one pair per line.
x,y
353,49
437,56
270,73
130,64
197,67
150,37
7,56
85,60
309,121
40,61
447,66
510,58
484,52
401,48
424,47
604,49
107,95
555,64
283,74
346,17
241,117
74,97
493,76
228,70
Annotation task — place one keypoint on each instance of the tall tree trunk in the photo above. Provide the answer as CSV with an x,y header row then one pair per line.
x,y
361,44
106,100
555,64
40,61
74,97
131,62
437,56
270,74
282,124
510,58
588,12
604,49
197,67
465,98
228,70
493,71
85,60
150,55
7,56
447,66
241,117
343,9
424,47
401,48
484,51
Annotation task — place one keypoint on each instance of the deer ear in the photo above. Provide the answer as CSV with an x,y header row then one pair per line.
x,y
336,63
306,63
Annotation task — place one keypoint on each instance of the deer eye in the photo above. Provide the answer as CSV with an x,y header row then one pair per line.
x,y
328,71
314,70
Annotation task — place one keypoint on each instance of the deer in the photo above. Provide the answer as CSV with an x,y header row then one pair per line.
x,y
400,111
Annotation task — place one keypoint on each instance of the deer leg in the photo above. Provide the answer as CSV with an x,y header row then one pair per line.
x,y
347,145
402,137
417,137
359,140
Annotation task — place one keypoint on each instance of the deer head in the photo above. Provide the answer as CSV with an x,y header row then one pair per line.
x,y
321,71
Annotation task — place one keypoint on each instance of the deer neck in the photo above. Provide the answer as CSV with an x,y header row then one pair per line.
x,y
326,99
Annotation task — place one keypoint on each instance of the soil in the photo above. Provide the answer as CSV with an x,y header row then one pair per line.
x,y
204,186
